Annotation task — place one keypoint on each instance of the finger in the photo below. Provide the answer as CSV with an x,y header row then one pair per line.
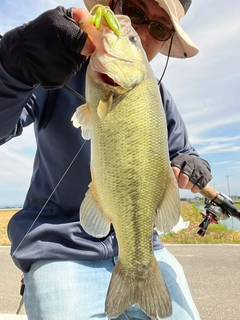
x,y
183,181
80,14
189,185
200,183
176,172
195,189
187,169
88,48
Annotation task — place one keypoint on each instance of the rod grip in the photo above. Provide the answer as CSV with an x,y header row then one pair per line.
x,y
209,193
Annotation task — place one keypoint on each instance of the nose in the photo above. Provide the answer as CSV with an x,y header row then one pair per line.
x,y
142,30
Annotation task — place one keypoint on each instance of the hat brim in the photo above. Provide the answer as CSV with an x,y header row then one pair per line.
x,y
91,3
182,45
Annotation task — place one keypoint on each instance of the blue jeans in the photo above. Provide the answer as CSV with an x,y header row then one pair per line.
x,y
76,290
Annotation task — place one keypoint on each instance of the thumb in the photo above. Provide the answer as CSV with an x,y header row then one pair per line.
x,y
79,14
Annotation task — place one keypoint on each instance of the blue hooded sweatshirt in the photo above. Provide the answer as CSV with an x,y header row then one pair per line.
x,y
48,228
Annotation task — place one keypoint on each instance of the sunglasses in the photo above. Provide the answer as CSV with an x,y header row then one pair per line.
x,y
156,29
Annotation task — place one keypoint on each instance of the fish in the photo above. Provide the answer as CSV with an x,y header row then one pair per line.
x,y
133,186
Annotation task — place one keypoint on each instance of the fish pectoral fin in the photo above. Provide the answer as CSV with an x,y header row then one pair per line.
x,y
168,212
82,118
150,293
92,218
104,106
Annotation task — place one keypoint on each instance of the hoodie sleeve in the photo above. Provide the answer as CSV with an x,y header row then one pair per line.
x,y
178,141
44,51
16,106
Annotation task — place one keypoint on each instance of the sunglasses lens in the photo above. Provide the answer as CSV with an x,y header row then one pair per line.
x,y
135,14
158,31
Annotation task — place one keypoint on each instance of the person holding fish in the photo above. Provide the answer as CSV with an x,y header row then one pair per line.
x,y
121,181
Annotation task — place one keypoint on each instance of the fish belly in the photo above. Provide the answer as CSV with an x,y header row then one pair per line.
x,y
130,167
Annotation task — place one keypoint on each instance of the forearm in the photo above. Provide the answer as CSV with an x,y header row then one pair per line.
x,y
45,52
178,141
14,96
190,170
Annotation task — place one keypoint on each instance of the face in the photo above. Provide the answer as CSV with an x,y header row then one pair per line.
x,y
153,12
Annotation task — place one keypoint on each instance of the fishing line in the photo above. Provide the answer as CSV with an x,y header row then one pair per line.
x,y
64,174
66,171
74,92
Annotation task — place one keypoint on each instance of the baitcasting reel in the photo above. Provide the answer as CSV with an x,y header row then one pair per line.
x,y
212,215
219,208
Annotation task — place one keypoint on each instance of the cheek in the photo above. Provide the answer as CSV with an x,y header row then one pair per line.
x,y
150,45
152,48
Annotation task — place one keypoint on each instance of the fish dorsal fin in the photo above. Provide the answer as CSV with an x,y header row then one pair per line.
x,y
104,106
168,212
82,118
92,219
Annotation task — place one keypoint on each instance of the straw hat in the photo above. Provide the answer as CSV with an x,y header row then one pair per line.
x,y
182,46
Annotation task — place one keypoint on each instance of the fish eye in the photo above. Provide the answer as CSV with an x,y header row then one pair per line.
x,y
133,38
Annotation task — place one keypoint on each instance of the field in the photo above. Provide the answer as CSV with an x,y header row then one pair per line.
x,y
5,216
216,233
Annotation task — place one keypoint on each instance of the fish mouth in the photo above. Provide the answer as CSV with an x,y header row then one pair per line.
x,y
108,80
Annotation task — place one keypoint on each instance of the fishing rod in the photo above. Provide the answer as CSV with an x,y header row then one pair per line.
x,y
218,206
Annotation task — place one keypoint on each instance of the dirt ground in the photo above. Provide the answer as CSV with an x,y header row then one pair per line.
x,y
5,216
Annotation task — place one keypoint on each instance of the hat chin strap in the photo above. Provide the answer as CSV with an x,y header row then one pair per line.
x,y
168,56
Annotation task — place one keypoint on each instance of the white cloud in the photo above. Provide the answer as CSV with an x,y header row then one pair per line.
x,y
16,156
221,163
206,87
16,162
217,148
16,12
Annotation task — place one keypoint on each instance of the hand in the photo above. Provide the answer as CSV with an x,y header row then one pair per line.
x,y
46,50
80,14
191,172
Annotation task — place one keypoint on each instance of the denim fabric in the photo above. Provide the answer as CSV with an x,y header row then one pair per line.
x,y
76,290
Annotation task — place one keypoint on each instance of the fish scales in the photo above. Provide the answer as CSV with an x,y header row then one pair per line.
x,y
133,187
126,153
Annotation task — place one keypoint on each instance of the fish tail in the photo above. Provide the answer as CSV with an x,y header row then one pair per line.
x,y
151,293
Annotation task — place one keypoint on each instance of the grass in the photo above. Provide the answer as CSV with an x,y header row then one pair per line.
x,y
5,216
216,233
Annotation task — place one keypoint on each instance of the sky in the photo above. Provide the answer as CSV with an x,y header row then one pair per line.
x,y
206,89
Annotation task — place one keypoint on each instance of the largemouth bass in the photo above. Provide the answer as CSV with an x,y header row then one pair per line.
x,y
133,186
